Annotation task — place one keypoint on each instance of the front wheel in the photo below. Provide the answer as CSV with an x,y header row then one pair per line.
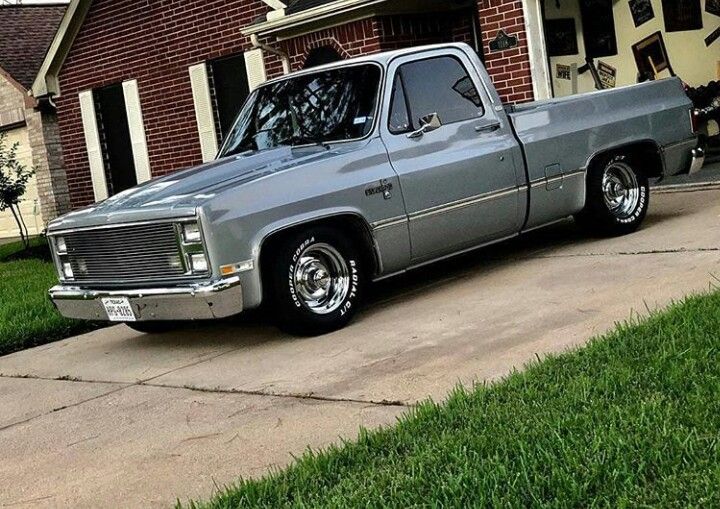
x,y
618,197
316,279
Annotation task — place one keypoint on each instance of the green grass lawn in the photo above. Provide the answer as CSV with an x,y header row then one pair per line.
x,y
27,318
631,420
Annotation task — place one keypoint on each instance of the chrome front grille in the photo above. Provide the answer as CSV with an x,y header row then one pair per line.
x,y
126,253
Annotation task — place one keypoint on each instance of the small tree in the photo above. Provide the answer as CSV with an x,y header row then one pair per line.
x,y
14,178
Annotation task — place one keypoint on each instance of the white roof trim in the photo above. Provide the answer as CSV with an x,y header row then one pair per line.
x,y
275,4
46,82
309,16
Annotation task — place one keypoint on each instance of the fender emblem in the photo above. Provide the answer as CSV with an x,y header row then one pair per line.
x,y
385,188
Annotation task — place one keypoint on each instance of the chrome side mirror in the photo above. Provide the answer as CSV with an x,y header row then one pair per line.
x,y
428,123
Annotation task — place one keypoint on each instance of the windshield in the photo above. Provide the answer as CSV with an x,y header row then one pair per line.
x,y
334,105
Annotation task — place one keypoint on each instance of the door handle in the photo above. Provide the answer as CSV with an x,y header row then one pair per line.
x,y
489,128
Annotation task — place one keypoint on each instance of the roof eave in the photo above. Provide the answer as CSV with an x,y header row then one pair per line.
x,y
299,19
29,101
46,82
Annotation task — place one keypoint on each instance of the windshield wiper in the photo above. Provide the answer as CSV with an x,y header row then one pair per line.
x,y
297,141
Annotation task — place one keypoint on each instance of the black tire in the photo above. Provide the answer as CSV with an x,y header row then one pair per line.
x,y
152,327
618,196
327,261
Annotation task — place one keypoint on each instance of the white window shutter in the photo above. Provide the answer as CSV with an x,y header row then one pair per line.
x,y
137,131
92,142
204,111
255,67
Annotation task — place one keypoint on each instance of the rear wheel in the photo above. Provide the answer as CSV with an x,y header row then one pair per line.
x,y
618,197
316,279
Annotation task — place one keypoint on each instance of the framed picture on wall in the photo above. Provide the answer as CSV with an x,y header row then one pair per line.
x,y
642,11
561,37
598,28
651,56
681,15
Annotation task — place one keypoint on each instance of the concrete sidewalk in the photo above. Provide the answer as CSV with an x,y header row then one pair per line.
x,y
114,418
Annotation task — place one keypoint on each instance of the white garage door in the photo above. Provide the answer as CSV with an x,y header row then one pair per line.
x,y
30,206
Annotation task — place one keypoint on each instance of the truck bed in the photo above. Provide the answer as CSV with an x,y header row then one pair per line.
x,y
560,136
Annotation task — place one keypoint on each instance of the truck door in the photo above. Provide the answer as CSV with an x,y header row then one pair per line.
x,y
453,153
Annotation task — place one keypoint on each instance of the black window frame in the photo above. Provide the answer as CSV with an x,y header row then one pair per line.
x,y
213,84
114,149
399,75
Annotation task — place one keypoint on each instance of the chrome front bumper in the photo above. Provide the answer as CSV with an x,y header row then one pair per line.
x,y
218,299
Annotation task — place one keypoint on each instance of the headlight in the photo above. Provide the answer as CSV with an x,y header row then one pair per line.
x,y
67,271
60,245
191,233
198,263
193,250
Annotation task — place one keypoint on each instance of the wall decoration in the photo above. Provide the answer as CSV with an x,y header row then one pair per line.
x,y
713,7
681,15
563,72
503,41
561,37
598,28
712,37
651,56
642,11
607,73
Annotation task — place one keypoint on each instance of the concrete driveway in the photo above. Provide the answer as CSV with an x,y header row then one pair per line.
x,y
114,418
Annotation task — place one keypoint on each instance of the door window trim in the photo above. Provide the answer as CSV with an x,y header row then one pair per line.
x,y
398,75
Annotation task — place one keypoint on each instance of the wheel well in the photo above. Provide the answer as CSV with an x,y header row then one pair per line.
x,y
354,226
645,153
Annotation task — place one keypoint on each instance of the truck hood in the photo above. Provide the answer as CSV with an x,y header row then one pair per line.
x,y
180,194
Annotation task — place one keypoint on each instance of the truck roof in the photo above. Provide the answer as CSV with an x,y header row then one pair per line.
x,y
382,58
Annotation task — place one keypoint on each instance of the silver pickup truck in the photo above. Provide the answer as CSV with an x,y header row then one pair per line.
x,y
352,172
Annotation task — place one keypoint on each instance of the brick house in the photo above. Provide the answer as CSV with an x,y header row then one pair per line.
x,y
26,34
144,88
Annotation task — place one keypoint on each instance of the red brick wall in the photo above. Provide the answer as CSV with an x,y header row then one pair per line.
x,y
156,41
153,42
408,30
509,69
350,40
377,34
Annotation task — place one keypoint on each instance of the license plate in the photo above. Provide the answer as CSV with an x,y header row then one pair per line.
x,y
118,309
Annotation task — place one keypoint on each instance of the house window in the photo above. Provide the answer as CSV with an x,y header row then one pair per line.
x,y
114,136
229,89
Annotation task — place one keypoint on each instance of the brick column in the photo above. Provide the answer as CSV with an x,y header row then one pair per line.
x,y
48,162
509,69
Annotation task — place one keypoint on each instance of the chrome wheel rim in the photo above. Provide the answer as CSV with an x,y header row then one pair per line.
x,y
621,190
321,279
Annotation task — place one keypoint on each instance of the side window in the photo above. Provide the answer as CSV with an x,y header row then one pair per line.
x,y
399,118
439,85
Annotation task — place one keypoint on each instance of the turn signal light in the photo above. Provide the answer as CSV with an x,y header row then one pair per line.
x,y
236,268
